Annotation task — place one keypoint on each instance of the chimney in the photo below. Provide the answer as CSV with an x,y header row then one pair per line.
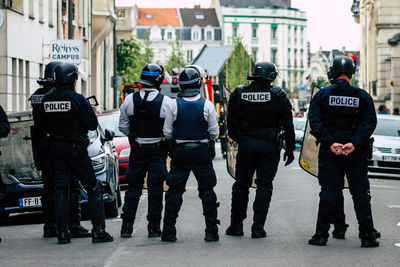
x,y
197,6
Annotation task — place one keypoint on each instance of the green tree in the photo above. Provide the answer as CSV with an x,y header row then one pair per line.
x,y
176,59
320,82
238,66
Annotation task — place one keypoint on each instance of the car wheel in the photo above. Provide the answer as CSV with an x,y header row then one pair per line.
x,y
111,208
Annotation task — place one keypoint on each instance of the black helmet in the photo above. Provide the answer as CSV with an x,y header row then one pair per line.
x,y
264,70
48,79
65,73
190,82
341,65
152,75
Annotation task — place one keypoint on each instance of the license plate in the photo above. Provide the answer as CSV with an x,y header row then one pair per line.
x,y
390,158
29,202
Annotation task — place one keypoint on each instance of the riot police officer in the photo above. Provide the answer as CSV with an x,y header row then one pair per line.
x,y
4,127
142,119
68,117
42,163
256,113
190,124
342,118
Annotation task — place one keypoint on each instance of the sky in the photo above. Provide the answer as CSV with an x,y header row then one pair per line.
x,y
330,22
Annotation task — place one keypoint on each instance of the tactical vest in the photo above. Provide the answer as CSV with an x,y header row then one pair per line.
x,y
36,100
343,108
145,121
61,121
258,116
190,123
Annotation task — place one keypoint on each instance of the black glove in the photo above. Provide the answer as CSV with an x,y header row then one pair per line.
x,y
288,157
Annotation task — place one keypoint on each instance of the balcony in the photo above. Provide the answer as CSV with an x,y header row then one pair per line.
x,y
103,20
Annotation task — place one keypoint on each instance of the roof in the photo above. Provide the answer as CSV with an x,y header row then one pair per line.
x,y
254,3
158,16
199,16
213,58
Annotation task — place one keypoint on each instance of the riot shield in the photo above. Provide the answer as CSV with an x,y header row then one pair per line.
x,y
16,159
232,150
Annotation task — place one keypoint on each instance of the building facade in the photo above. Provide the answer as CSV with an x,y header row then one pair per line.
x,y
380,21
271,31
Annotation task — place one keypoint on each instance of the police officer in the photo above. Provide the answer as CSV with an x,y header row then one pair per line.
x,y
42,163
191,123
4,127
342,119
68,117
256,113
142,119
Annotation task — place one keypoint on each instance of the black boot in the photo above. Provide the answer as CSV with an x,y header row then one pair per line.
x,y
126,228
211,232
63,234
319,239
153,229
169,231
235,229
374,231
49,230
78,230
257,231
340,231
368,236
99,235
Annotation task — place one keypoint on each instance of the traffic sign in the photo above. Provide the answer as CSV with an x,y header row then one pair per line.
x,y
69,51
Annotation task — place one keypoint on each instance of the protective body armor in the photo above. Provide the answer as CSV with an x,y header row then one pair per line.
x,y
145,121
190,123
342,112
257,117
60,117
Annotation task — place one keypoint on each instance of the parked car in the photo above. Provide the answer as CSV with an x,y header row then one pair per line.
x,y
21,185
110,120
386,149
299,128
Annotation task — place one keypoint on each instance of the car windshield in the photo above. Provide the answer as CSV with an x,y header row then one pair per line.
x,y
110,122
387,127
300,125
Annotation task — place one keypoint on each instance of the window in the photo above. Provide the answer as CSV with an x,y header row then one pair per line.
x,y
295,35
235,31
189,55
209,35
273,55
199,15
149,16
302,36
301,58
289,39
41,9
50,12
274,29
254,32
295,57
27,85
196,35
14,84
21,84
169,35
288,57
32,9
121,14
254,53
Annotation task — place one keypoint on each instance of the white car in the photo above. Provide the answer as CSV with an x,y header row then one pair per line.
x,y
386,150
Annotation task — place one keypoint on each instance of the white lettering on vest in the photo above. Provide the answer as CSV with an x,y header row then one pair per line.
x,y
37,99
57,106
344,101
256,97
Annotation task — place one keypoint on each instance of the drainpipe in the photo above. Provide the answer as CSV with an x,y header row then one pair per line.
x,y
105,75
70,26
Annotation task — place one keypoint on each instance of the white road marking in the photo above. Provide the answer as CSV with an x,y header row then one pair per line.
x,y
381,186
393,206
397,245
398,224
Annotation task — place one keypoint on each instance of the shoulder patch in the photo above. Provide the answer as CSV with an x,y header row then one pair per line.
x,y
344,101
256,96
57,106
37,99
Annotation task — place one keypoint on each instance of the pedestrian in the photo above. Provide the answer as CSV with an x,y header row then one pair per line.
x,y
382,109
256,113
191,124
42,163
396,111
342,118
142,119
4,127
68,117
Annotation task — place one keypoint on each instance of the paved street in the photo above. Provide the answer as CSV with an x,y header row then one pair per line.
x,y
290,224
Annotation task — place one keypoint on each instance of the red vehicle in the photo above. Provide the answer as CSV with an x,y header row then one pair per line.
x,y
121,142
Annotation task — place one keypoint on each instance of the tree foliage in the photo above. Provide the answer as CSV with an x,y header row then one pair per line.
x,y
132,56
238,66
176,59
320,82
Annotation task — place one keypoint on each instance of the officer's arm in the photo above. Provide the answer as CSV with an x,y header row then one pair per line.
x,y
318,130
366,125
231,119
211,117
170,116
4,124
87,117
287,123
124,117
